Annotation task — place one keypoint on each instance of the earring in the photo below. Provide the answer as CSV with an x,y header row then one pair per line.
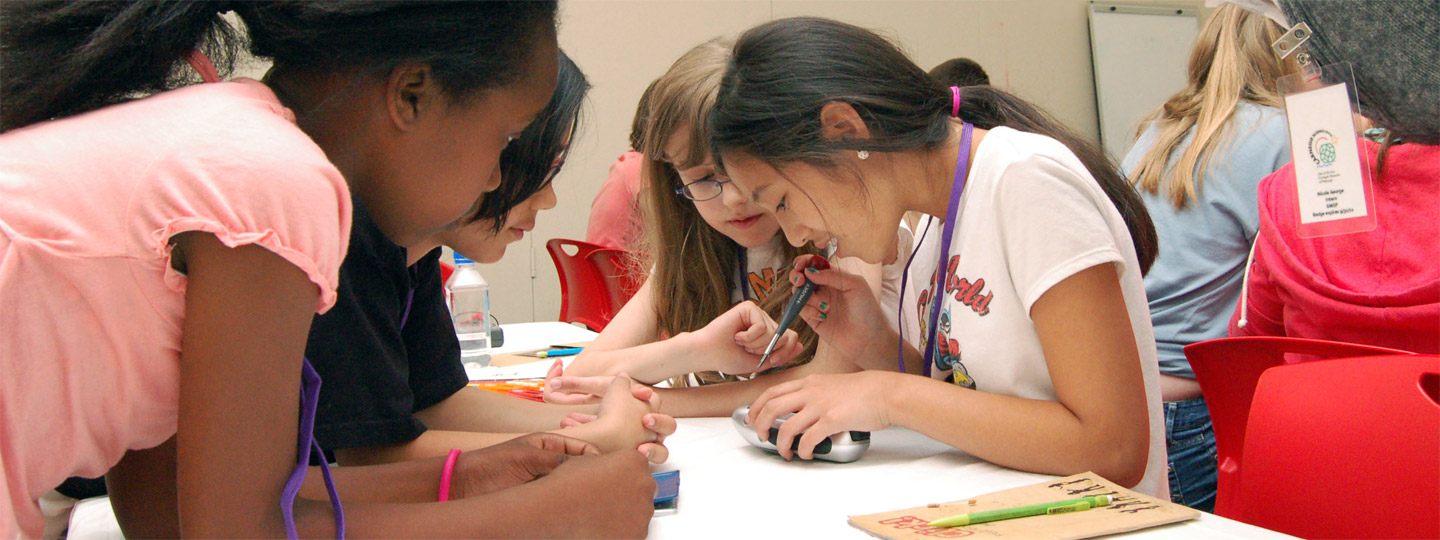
x,y
863,154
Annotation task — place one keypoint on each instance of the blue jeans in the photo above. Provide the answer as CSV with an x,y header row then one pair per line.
x,y
1190,443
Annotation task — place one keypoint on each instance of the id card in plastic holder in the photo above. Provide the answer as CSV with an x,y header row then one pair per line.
x,y
1332,177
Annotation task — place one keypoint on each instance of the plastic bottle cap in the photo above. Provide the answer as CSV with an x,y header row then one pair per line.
x,y
460,259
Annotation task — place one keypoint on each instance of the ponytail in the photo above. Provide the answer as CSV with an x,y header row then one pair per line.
x,y
783,72
988,107
62,58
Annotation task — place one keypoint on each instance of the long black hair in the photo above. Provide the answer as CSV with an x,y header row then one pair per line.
x,y
532,160
783,72
61,58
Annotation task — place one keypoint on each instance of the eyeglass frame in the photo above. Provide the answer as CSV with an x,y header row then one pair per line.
x,y
684,189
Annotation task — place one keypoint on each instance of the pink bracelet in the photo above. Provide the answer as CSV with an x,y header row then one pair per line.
x,y
446,472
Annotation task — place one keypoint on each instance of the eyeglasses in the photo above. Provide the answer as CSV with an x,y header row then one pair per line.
x,y
702,190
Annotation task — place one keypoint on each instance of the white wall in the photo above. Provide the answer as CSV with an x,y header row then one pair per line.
x,y
1039,49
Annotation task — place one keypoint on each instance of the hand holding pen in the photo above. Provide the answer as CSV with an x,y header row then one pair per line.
x,y
803,290
845,312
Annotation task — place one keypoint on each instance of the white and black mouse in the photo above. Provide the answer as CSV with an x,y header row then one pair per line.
x,y
842,447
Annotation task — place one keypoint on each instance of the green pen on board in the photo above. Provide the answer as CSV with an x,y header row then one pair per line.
x,y
1061,507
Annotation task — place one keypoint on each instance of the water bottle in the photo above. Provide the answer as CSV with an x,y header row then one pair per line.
x,y
470,311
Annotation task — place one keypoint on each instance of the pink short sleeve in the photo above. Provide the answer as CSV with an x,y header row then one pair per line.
x,y
259,180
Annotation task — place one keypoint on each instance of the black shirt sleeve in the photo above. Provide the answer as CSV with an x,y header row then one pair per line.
x,y
370,367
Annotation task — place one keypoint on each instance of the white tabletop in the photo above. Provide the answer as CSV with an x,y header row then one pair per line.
x,y
524,337
729,489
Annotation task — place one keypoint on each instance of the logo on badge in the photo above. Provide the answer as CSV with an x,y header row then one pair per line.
x,y
1322,148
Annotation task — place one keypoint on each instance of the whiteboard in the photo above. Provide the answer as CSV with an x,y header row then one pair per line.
x,y
1140,54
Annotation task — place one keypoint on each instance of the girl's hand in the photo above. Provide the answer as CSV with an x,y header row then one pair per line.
x,y
843,311
513,462
576,419
823,405
563,390
735,341
627,422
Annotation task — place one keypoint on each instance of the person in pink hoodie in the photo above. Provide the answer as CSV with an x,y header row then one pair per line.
x,y
1380,287
615,220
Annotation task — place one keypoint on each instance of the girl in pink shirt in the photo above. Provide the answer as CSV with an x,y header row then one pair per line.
x,y
161,259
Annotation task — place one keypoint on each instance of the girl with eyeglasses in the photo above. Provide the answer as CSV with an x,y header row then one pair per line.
x,y
718,280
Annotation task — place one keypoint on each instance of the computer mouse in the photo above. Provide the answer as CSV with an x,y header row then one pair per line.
x,y
843,447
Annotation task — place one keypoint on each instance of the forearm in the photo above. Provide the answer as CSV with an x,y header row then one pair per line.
x,y
649,363
482,411
1026,434
433,443
881,353
511,513
437,443
416,480
719,400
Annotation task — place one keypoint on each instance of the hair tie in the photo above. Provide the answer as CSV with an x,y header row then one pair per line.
x,y
955,101
202,65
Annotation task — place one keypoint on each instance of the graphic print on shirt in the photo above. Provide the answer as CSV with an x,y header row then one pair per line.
x,y
762,282
968,293
947,353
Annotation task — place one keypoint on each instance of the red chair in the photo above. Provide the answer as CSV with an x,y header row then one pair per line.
x,y
595,281
445,271
1227,370
1346,449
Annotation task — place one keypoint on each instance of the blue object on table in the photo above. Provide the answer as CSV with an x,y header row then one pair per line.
x,y
572,351
667,486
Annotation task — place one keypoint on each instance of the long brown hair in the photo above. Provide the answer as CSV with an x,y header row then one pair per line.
x,y
695,266
1231,61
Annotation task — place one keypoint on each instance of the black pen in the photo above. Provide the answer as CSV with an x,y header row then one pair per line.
x,y
797,302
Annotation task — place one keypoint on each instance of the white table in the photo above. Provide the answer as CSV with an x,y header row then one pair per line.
x,y
523,337
729,489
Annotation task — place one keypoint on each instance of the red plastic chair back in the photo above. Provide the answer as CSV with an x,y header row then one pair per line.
x,y
445,271
621,281
1227,370
593,282
1346,449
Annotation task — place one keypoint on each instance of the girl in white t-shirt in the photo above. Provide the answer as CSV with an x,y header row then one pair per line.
x,y
1041,325
719,274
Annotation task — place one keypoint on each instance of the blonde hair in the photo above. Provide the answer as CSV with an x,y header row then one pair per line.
x,y
1231,61
694,265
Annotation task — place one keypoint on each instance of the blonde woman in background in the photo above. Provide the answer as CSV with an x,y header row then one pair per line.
x,y
1196,162
719,261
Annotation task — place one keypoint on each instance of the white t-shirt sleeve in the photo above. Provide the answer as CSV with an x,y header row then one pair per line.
x,y
1052,224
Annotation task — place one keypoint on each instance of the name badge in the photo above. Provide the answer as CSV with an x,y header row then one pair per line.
x,y
1332,177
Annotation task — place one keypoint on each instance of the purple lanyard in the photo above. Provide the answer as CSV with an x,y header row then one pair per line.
x,y
409,299
952,218
745,276
308,446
